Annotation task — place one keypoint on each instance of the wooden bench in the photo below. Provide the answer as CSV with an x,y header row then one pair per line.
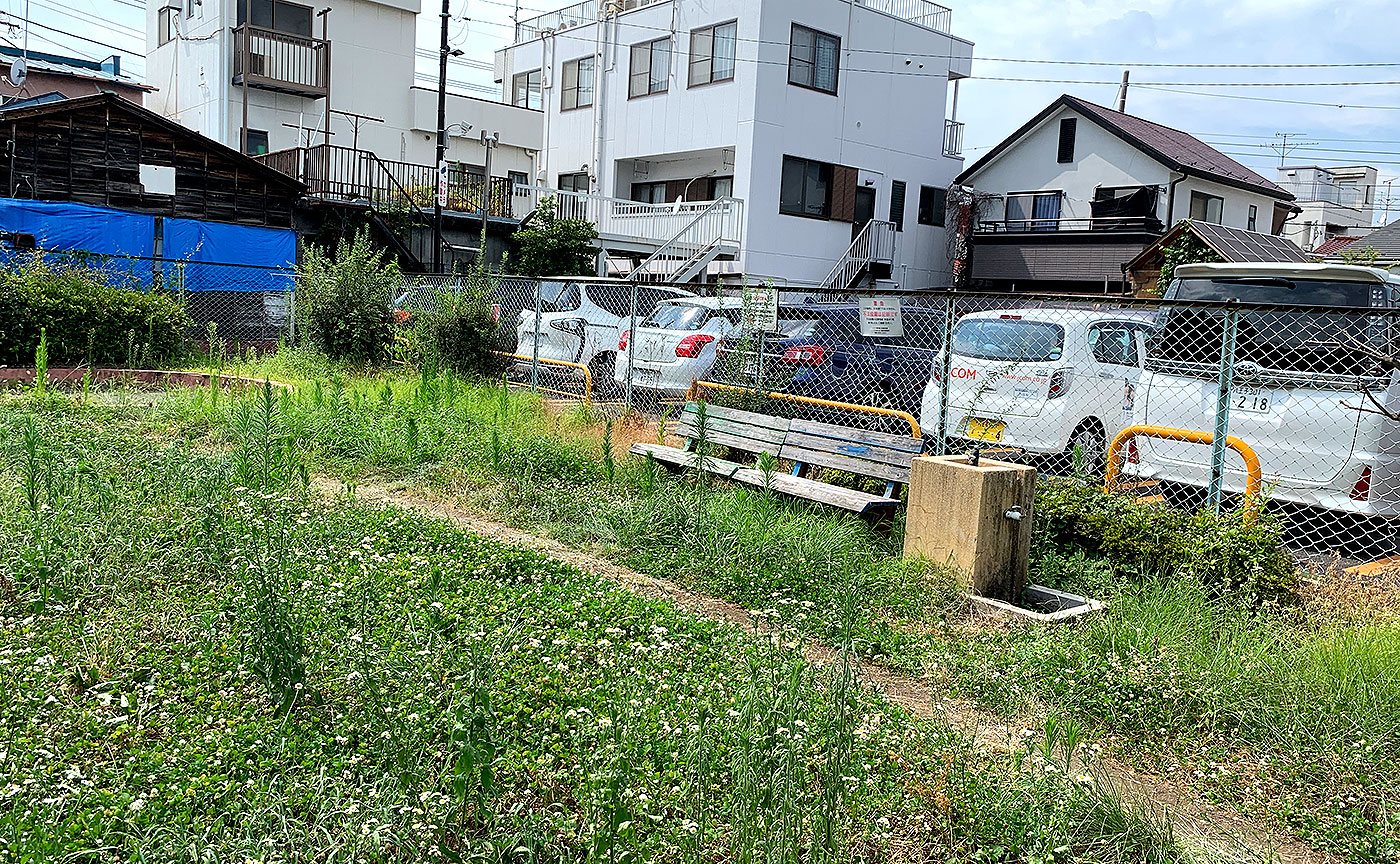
x,y
807,445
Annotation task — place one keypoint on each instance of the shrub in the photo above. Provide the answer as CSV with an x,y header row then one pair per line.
x,y
343,301
457,332
551,246
1230,554
87,320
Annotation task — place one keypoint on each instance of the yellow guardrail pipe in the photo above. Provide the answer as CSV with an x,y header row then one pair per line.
x,y
914,430
587,376
1253,486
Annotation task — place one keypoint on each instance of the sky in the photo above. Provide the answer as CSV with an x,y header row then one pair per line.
x,y
1243,38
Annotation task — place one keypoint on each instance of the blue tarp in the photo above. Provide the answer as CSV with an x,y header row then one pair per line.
x,y
195,255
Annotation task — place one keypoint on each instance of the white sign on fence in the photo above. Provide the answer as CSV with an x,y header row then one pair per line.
x,y
442,184
880,316
761,308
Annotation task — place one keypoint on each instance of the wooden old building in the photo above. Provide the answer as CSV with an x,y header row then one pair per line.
x,y
106,151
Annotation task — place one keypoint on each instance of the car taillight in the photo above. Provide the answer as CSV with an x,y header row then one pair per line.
x,y
691,346
1133,456
626,337
805,355
1362,490
576,326
1059,385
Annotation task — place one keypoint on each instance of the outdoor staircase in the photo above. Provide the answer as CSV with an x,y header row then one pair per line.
x,y
690,251
871,257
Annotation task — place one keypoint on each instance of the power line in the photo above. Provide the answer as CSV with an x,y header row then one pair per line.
x,y
73,35
1161,89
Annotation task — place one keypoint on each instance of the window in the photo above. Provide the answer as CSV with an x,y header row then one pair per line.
x,y
578,84
1008,339
279,15
814,60
721,187
1114,344
1033,211
1206,208
257,142
460,173
651,68
1068,127
573,182
189,7
649,193
933,204
712,53
898,195
518,178
806,189
1253,218
165,25
525,90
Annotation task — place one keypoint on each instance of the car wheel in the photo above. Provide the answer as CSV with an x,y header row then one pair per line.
x,y
1087,451
605,387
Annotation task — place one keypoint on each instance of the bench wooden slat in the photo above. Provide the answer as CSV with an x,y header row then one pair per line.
x,y
742,430
901,443
683,459
850,449
897,473
822,493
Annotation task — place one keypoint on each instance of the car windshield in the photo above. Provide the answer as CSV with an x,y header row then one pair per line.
x,y
677,316
1274,289
560,297
1009,339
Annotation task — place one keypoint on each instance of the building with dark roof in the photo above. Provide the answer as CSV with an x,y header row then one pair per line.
x,y
1080,190
1380,248
1233,245
69,77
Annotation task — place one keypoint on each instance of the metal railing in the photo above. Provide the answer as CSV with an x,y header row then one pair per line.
x,y
570,16
1149,224
873,245
921,12
284,62
1355,196
621,219
953,138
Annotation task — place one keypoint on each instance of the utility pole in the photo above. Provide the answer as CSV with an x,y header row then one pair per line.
x,y
1123,94
489,140
441,199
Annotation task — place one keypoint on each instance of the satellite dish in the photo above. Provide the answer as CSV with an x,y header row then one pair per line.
x,y
19,70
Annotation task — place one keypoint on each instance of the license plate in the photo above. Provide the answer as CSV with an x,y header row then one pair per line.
x,y
985,430
1251,399
646,376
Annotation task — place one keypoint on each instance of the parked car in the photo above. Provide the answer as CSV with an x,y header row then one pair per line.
x,y
1047,381
819,352
676,344
1300,378
581,322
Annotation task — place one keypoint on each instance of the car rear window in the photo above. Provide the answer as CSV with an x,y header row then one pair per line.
x,y
1295,292
1283,340
677,316
560,297
803,328
1009,339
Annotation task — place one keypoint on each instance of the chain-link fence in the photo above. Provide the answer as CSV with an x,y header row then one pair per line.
x,y
1292,373
248,305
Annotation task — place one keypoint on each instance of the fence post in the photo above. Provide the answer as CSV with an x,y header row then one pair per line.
x,y
945,363
1218,447
631,352
535,354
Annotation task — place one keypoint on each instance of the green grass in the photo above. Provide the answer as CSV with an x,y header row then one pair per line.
x,y
202,661
1284,712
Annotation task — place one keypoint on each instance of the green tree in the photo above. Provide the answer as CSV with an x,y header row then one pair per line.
x,y
551,246
343,300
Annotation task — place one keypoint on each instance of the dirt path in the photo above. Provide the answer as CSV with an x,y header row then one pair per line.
x,y
1220,832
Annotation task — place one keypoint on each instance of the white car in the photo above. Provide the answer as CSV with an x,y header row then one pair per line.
x,y
1301,378
1041,380
676,343
581,322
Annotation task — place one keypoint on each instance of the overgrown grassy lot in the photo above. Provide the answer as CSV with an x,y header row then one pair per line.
x,y
1210,666
203,661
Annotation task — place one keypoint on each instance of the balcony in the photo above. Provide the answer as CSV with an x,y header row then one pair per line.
x,y
952,139
1118,224
921,12
282,62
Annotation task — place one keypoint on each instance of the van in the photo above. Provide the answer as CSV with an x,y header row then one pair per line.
x,y
1307,382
